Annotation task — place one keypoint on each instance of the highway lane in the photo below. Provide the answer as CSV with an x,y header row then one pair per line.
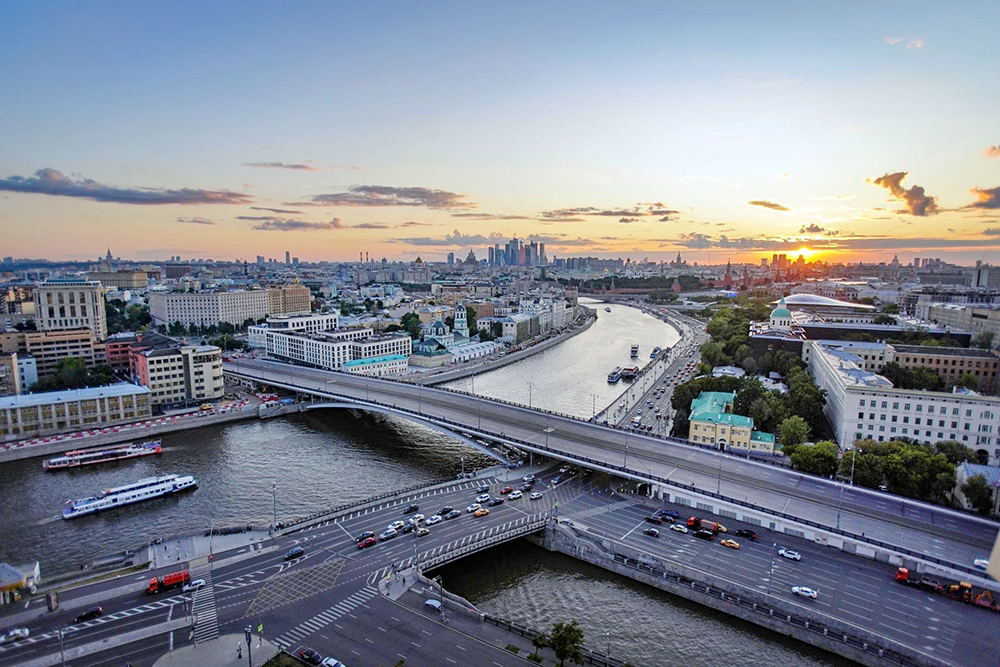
x,y
890,519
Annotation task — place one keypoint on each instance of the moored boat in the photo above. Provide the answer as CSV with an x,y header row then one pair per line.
x,y
86,457
607,310
629,372
144,489
635,351
615,375
656,351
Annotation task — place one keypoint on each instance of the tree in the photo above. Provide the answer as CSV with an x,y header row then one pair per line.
x,y
793,431
27,325
470,319
867,467
891,308
72,373
977,493
983,341
955,452
539,641
411,324
884,319
566,640
818,459
968,380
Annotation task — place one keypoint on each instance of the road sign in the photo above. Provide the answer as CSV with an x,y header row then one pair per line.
x,y
260,628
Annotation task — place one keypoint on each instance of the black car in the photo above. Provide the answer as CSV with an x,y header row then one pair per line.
x,y
364,536
410,509
444,510
310,656
454,514
495,502
652,532
669,513
654,519
409,527
93,612
704,534
297,552
483,489
749,534
527,486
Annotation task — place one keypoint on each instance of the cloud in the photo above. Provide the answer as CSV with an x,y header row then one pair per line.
x,y
992,151
768,204
275,210
281,165
893,40
915,44
411,223
574,214
385,195
917,203
490,216
370,225
811,228
669,218
628,220
289,225
457,238
985,198
991,231
196,221
53,182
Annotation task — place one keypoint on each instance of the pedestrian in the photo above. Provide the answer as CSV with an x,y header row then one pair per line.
x,y
239,651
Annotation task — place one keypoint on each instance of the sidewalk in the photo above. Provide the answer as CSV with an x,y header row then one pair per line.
x,y
221,652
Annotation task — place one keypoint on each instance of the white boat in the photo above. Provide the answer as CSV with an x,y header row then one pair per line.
x,y
86,457
635,351
144,489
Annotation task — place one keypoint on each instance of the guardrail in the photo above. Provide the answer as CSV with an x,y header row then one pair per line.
x,y
516,531
589,657
646,477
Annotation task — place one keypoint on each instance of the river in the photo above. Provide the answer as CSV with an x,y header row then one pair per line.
x,y
325,458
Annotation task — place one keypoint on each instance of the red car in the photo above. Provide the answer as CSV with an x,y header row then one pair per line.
x,y
506,489
367,542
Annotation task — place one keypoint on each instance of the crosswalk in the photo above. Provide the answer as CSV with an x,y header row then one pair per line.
x,y
325,618
207,627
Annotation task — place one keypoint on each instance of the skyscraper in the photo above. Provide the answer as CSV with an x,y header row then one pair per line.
x,y
288,258
451,259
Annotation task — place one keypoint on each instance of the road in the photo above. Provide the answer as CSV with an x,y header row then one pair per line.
x,y
948,536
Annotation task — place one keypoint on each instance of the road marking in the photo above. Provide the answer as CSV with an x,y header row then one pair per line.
x,y
631,531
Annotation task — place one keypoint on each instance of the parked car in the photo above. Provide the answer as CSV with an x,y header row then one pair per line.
x,y
789,554
514,495
747,533
367,542
536,495
311,656
88,614
805,592
192,585
297,552
652,532
330,662
410,509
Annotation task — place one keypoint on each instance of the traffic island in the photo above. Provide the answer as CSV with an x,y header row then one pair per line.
x,y
226,651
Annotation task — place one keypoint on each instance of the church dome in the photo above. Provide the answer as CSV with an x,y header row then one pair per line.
x,y
781,312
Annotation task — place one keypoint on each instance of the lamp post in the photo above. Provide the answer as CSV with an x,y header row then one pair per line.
x,y
607,656
529,395
770,568
211,537
62,651
274,511
718,488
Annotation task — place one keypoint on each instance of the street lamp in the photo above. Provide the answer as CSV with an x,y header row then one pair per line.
x,y
607,656
274,511
770,568
62,651
529,395
211,537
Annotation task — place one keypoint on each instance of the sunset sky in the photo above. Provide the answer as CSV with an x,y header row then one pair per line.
x,y
720,130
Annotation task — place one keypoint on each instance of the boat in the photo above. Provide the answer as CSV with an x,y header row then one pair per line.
x,y
655,352
635,351
87,457
144,489
629,372
607,310
615,375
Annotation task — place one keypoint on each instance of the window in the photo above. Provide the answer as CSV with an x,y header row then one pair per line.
x,y
862,403
894,418
895,406
906,406
885,404
881,417
861,415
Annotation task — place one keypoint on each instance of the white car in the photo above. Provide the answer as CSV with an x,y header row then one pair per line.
x,y
980,563
192,585
330,662
417,518
805,592
678,527
435,518
473,507
528,478
483,498
514,495
789,554
13,635
535,495
564,470
395,525
387,534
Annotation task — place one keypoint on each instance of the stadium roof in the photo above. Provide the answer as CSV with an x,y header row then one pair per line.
x,y
817,301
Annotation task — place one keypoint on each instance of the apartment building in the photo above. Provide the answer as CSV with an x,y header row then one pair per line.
x,y
71,304
951,363
130,280
48,347
234,307
10,374
311,323
30,415
332,350
178,374
963,317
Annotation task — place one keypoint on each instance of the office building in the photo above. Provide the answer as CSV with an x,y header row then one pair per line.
x,y
312,323
331,350
30,415
71,304
234,307
47,348
130,280
177,374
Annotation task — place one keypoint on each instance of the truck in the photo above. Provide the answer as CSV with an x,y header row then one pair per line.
x,y
962,591
704,524
168,581
904,576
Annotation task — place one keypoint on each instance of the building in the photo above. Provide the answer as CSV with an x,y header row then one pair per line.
x,y
234,307
468,351
331,350
991,473
117,349
311,323
177,374
951,363
28,369
30,415
47,348
392,364
430,353
10,374
124,280
712,422
71,304
860,404
963,317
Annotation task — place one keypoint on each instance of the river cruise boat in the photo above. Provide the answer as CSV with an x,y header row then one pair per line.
x,y
635,351
656,351
87,457
144,489
615,375
629,372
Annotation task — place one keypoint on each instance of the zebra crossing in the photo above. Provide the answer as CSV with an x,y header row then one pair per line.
x,y
207,627
325,618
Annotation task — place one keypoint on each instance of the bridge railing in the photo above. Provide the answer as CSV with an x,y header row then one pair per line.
x,y
647,477
530,526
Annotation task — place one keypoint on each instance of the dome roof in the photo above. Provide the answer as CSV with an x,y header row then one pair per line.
x,y
781,311
818,301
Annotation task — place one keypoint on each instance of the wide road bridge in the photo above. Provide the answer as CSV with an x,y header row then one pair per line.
x,y
854,519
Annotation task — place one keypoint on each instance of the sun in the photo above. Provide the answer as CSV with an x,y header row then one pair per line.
x,y
805,252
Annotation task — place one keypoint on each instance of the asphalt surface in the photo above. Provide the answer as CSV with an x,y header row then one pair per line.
x,y
943,534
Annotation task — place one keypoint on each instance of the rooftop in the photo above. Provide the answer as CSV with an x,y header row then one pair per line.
x,y
49,397
991,473
954,351
373,360
817,301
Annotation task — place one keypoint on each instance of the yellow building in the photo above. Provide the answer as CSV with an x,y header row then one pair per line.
x,y
713,423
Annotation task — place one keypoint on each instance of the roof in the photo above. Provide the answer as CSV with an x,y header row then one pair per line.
x,y
723,418
781,310
817,301
10,577
991,473
953,351
710,406
760,436
69,395
373,360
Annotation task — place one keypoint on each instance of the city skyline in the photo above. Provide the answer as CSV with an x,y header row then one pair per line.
x,y
844,135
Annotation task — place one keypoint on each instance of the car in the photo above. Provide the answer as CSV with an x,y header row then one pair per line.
x,y
434,518
192,585
330,662
527,486
805,591
482,511
454,514
514,495
395,525
14,635
980,563
732,544
672,513
495,502
535,495
473,507
652,532
410,509
528,478
483,498
93,612
416,518
667,519
747,533
409,527
387,534
422,532
564,470
444,510
367,542
311,656
654,519
364,536
680,528
557,481
483,489
704,534
297,552
505,490
789,554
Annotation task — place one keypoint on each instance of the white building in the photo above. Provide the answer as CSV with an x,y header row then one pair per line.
x,y
861,404
71,304
332,350
311,323
234,307
468,351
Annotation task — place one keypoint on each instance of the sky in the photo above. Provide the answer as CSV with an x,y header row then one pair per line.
x,y
849,131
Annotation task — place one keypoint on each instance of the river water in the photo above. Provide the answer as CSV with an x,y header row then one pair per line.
x,y
326,458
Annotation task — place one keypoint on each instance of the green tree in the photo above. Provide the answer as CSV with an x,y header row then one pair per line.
x,y
411,324
27,325
470,318
566,641
977,493
867,467
884,319
983,341
890,308
539,641
955,452
968,380
818,459
793,431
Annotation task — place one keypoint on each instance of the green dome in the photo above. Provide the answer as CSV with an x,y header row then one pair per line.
x,y
781,311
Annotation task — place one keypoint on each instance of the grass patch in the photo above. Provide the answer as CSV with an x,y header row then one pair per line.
x,y
284,660
534,658
513,649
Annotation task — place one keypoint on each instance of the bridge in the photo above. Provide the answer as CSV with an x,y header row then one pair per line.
x,y
856,520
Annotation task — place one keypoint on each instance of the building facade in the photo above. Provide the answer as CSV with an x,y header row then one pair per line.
x,y
234,307
130,280
331,350
311,323
71,304
10,374
47,348
30,415
179,374
712,422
